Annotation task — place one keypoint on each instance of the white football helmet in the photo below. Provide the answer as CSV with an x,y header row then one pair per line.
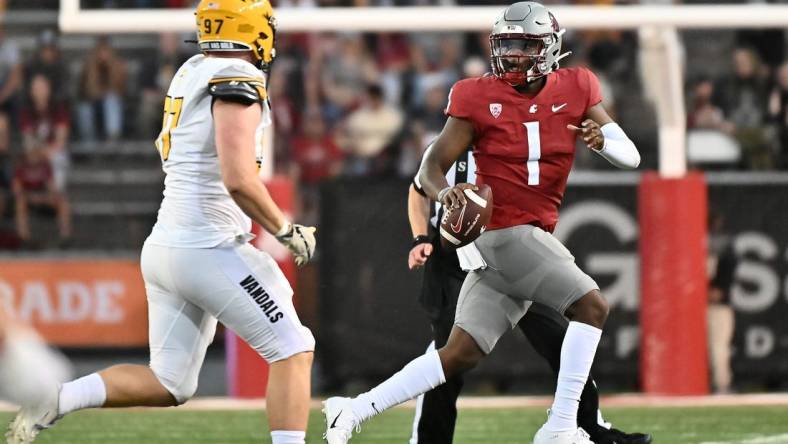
x,y
525,43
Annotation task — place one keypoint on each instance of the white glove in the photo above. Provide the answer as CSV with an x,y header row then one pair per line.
x,y
300,240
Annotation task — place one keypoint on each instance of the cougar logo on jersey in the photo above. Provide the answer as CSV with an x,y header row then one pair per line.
x,y
495,109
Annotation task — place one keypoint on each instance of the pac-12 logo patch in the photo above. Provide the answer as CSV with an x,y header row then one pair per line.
x,y
495,109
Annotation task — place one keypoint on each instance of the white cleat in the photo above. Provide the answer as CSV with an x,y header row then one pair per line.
x,y
31,420
340,420
576,436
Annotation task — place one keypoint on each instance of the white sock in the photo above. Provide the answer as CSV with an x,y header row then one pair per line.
x,y
414,435
577,355
287,437
83,393
419,376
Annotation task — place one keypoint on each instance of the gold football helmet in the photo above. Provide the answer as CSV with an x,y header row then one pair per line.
x,y
237,25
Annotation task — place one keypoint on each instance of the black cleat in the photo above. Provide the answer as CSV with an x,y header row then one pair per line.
x,y
632,438
602,435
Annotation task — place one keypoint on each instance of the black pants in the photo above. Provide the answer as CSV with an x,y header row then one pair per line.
x,y
543,327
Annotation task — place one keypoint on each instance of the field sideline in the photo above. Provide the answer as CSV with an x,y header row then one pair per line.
x,y
496,402
734,419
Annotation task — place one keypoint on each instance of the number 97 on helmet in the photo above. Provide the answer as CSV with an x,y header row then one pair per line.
x,y
238,25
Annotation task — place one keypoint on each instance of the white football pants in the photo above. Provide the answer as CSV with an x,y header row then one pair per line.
x,y
190,288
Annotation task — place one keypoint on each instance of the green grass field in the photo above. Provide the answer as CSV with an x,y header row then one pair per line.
x,y
744,425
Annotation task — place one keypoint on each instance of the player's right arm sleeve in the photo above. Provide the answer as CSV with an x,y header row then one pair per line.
x,y
618,149
458,105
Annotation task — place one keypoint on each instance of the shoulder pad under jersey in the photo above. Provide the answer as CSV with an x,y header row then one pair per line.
x,y
243,90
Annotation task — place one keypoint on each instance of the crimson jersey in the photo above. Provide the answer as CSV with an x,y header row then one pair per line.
x,y
522,147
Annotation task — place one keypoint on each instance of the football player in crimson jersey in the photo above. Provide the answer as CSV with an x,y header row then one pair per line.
x,y
523,122
444,274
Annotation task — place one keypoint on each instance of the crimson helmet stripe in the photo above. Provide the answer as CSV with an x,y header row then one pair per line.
x,y
554,21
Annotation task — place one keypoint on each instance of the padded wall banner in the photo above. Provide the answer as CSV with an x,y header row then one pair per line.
x,y
371,322
78,303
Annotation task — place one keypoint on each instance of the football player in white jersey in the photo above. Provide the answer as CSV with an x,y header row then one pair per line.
x,y
197,263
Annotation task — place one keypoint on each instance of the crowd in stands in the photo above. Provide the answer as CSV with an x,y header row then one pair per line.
x,y
361,105
34,132
749,105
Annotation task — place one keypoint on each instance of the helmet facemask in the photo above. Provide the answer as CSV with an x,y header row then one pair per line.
x,y
265,56
523,58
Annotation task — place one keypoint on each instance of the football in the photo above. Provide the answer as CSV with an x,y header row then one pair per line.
x,y
461,226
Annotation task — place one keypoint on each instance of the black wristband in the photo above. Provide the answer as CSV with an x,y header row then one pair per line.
x,y
421,239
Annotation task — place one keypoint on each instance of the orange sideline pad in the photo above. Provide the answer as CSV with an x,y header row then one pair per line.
x,y
673,228
78,303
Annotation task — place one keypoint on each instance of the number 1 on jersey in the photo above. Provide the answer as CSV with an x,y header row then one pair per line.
x,y
534,151
172,114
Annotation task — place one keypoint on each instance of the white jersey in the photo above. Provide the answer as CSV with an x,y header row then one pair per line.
x,y
197,211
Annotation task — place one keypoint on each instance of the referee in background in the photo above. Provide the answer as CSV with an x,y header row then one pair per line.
x,y
436,411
